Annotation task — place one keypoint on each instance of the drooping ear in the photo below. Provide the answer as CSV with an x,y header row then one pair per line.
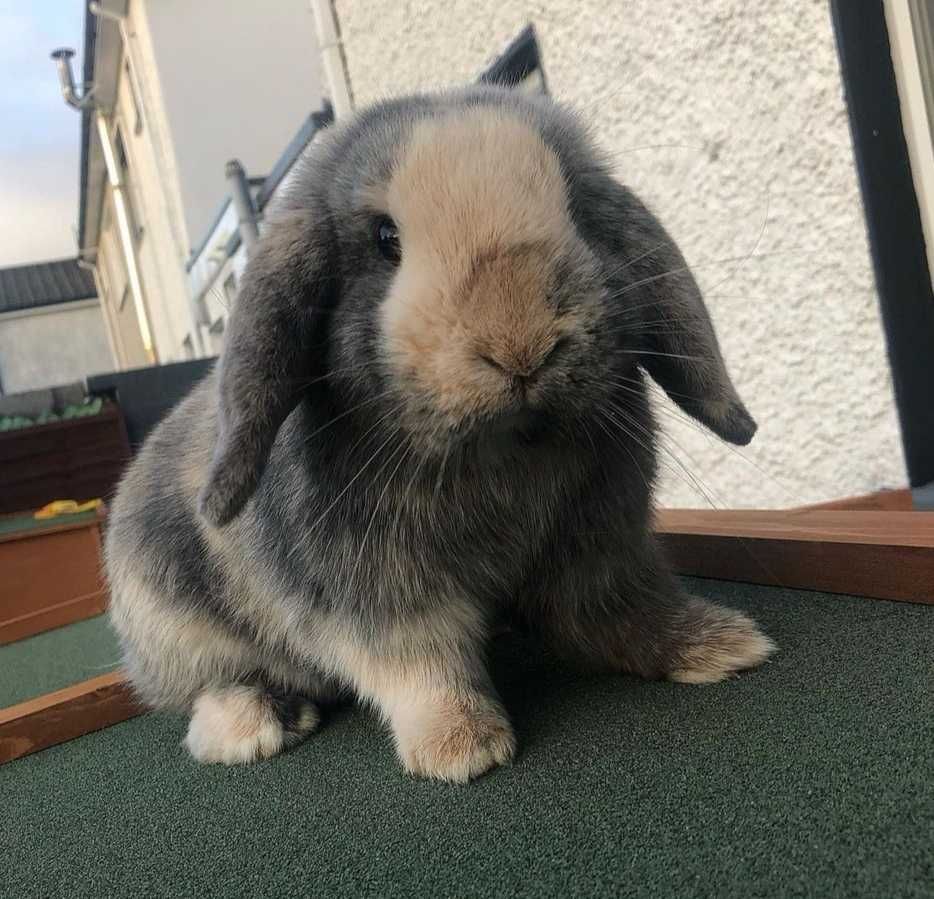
x,y
268,356
675,338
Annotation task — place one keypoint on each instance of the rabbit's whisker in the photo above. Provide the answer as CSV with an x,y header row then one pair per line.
x,y
641,352
670,242
743,258
707,494
362,468
615,438
611,153
407,492
406,450
440,478
693,481
346,412
631,262
755,246
660,405
307,382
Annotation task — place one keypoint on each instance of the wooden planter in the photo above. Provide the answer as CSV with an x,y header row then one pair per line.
x,y
50,573
52,576
79,459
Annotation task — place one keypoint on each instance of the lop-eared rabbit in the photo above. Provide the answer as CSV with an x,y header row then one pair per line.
x,y
430,414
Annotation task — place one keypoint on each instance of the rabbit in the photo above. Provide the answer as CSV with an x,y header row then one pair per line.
x,y
430,414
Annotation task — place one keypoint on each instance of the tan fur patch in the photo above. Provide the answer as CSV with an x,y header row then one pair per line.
x,y
176,651
727,642
482,210
420,678
457,740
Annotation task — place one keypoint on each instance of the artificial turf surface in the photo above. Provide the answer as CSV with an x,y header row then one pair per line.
x,y
813,776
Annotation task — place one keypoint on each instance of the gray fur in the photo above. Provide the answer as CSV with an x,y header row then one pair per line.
x,y
253,521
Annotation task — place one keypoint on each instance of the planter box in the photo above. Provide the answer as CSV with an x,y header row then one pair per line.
x,y
79,459
50,573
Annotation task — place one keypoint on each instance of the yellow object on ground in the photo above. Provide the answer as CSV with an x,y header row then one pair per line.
x,y
66,507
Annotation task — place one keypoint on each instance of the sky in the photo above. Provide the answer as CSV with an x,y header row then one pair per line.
x,y
39,134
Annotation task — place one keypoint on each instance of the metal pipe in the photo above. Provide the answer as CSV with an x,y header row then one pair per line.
x,y
332,57
62,58
126,235
66,79
243,203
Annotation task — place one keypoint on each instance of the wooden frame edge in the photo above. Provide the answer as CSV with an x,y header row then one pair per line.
x,y
873,554
894,500
68,612
66,714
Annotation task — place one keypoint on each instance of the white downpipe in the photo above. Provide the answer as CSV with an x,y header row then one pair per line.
x,y
332,58
126,236
110,326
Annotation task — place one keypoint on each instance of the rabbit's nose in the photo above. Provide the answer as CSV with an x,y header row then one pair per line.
x,y
523,366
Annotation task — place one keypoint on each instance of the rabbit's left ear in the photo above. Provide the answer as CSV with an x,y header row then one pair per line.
x,y
679,348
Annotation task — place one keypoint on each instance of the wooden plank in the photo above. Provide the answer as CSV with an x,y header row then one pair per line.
x,y
881,501
883,555
66,714
41,620
882,528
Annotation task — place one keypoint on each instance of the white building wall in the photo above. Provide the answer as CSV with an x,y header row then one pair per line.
x,y
236,80
728,119
116,300
160,259
203,87
52,345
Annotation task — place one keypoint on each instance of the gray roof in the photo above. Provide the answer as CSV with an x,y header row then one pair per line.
x,y
44,284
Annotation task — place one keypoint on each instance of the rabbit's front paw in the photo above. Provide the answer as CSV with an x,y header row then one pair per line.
x,y
239,724
456,741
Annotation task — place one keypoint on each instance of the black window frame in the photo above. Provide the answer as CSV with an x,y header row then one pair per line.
x,y
893,222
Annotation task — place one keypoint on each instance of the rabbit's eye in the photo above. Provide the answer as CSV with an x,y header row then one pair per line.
x,y
387,239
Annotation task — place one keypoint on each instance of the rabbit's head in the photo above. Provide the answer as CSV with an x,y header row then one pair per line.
x,y
459,266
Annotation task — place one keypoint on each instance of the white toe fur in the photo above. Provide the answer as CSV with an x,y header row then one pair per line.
x,y
236,725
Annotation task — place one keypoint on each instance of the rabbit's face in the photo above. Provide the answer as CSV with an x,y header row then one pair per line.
x,y
456,266
488,321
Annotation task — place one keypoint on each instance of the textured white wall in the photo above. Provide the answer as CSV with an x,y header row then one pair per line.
x,y
720,116
52,346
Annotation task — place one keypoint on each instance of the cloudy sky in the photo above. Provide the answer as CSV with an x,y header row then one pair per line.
x,y
39,134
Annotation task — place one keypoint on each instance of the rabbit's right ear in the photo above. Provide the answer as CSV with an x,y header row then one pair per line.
x,y
268,357
681,351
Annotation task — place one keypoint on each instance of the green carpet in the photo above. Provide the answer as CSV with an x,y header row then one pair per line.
x,y
811,777
56,659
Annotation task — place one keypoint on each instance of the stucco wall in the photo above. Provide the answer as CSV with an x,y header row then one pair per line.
x,y
52,346
720,116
